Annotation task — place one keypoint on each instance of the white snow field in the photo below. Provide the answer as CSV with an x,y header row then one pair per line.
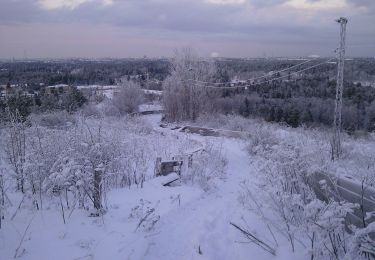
x,y
193,224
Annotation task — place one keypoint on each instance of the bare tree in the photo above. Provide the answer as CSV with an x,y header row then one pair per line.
x,y
183,98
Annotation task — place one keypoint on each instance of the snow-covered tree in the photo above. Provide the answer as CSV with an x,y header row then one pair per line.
x,y
183,98
16,147
128,99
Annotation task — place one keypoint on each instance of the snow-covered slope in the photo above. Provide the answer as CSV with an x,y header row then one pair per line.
x,y
193,224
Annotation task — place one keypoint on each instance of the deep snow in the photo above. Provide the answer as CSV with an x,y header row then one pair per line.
x,y
193,224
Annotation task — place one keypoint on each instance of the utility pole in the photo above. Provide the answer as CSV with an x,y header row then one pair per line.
x,y
336,141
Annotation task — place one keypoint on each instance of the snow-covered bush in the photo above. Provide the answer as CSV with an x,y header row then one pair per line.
x,y
44,146
128,99
362,244
132,164
136,163
324,224
109,110
54,120
284,195
139,126
291,207
68,166
262,140
90,110
286,192
82,167
207,167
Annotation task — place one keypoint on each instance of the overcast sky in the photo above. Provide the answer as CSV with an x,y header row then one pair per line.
x,y
226,28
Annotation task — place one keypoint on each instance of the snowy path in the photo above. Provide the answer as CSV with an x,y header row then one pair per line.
x,y
204,223
201,229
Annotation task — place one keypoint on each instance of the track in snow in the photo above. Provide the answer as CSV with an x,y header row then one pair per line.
x,y
201,229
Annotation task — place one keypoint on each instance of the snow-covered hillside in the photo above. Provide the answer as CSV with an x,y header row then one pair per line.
x,y
233,184
190,223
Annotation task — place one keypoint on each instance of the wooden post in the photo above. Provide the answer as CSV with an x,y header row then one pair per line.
x,y
190,161
158,166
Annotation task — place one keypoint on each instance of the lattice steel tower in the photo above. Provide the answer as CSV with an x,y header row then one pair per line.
x,y
336,141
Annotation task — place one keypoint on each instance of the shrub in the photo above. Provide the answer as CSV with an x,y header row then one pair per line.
x,y
54,120
207,167
128,99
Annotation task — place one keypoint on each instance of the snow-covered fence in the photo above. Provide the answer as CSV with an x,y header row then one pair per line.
x,y
165,168
328,186
178,164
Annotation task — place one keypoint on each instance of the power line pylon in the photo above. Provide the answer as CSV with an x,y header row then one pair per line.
x,y
336,141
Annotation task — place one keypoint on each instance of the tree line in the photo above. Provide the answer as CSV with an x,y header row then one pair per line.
x,y
24,105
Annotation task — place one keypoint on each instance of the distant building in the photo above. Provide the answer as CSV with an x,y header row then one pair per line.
x,y
2,91
58,89
9,90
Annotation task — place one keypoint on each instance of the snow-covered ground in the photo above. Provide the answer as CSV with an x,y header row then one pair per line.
x,y
110,90
150,107
279,142
193,224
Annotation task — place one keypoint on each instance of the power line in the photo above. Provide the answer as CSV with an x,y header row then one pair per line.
x,y
270,80
296,72
359,45
275,72
250,79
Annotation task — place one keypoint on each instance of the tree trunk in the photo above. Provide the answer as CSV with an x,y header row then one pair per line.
x,y
97,196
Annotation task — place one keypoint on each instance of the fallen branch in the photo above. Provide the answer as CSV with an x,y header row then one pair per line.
x,y
170,182
23,237
255,240
145,218
19,206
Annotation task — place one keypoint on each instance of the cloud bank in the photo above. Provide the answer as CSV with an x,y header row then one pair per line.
x,y
132,28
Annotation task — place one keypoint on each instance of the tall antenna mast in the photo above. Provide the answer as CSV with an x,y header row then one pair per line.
x,y
336,141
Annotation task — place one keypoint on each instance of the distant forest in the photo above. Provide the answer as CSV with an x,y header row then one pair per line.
x,y
308,101
305,99
309,98
80,72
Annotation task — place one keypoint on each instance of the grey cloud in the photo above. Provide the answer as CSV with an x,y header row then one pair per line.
x,y
201,21
19,11
266,3
183,15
